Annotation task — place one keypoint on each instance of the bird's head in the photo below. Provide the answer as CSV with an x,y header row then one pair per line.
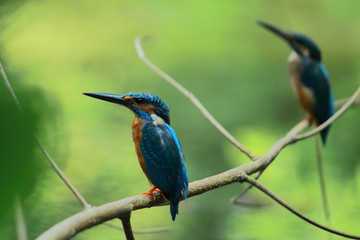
x,y
301,44
142,104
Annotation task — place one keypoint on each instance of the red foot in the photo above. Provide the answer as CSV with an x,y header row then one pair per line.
x,y
151,192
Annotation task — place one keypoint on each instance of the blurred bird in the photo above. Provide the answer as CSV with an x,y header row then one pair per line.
x,y
157,146
309,77
312,87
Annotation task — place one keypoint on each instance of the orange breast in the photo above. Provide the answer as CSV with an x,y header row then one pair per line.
x,y
136,133
303,93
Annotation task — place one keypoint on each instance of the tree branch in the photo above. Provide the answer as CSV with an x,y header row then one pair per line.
x,y
297,213
141,231
191,97
125,220
41,146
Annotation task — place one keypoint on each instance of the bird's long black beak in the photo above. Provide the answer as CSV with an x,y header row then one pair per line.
x,y
108,97
281,33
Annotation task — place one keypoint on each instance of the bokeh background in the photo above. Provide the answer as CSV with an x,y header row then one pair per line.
x,y
55,50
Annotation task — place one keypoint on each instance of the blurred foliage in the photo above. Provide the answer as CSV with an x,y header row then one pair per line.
x,y
20,166
236,69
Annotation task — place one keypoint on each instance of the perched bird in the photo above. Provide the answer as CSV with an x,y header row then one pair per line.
x,y
309,77
157,146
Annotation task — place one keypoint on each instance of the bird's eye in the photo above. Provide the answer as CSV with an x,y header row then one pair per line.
x,y
138,101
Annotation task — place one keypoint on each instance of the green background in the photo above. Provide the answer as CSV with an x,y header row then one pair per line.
x,y
55,50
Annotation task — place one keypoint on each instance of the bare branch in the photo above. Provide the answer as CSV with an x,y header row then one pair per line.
x,y
321,174
191,97
20,223
60,173
42,148
342,101
97,215
125,220
140,231
297,213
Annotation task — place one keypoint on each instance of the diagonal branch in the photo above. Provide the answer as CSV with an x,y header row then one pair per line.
x,y
141,231
41,146
125,220
297,213
191,97
20,223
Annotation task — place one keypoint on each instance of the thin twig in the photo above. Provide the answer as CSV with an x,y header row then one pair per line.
x,y
60,173
41,146
191,97
342,101
339,113
140,231
20,223
297,213
125,220
320,168
295,130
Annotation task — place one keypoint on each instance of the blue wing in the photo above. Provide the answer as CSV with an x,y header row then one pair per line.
x,y
316,78
164,161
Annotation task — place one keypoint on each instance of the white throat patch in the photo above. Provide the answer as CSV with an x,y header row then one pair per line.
x,y
157,120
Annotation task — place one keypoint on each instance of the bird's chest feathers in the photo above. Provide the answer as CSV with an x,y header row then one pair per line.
x,y
137,128
137,135
303,93
138,124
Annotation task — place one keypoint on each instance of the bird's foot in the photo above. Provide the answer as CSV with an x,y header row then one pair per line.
x,y
153,192
310,120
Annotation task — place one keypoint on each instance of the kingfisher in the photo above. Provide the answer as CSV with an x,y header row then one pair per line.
x,y
308,76
158,149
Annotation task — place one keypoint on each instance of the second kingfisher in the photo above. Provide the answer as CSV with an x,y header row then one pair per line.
x,y
157,146
309,77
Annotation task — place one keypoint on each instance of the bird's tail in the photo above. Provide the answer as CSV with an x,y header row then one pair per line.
x,y
324,134
174,208
175,199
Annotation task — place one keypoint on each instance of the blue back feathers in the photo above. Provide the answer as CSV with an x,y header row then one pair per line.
x,y
165,163
315,77
160,148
